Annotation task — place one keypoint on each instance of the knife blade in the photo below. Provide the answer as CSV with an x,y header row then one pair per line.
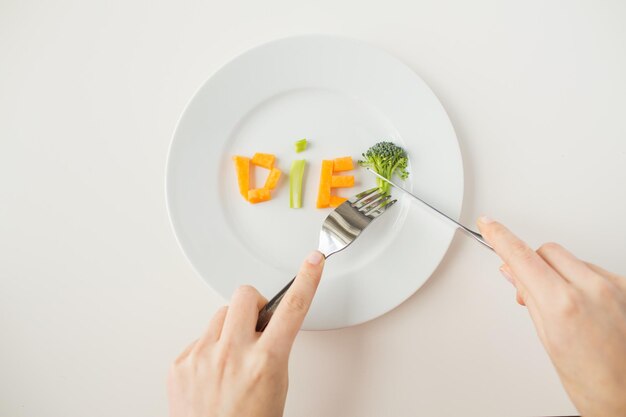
x,y
477,236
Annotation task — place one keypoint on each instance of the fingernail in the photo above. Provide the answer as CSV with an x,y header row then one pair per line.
x,y
485,219
315,258
506,274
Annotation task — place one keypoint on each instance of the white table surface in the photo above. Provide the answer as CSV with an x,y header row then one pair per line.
x,y
96,298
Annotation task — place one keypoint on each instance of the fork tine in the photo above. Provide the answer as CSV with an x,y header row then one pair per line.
x,y
374,203
368,199
380,209
362,195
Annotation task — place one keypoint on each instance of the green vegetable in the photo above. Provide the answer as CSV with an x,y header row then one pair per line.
x,y
387,159
300,145
295,183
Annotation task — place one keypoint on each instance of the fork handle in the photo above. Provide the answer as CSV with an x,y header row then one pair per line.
x,y
268,310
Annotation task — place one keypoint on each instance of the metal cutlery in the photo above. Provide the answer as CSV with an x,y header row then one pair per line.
x,y
342,226
477,236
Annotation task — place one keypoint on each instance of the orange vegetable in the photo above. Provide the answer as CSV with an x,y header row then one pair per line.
x,y
265,160
336,201
272,179
242,166
323,194
343,164
342,181
258,195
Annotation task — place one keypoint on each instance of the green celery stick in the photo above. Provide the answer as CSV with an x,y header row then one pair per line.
x,y
300,145
295,183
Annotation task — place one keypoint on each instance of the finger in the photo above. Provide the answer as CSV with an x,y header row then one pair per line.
x,y
214,329
614,278
286,321
183,355
541,281
524,300
243,313
536,317
508,274
566,264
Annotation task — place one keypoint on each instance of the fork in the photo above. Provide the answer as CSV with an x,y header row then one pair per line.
x,y
342,226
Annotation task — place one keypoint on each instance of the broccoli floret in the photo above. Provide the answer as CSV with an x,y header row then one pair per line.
x,y
387,159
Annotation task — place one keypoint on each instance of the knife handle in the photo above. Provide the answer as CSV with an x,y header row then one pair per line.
x,y
268,310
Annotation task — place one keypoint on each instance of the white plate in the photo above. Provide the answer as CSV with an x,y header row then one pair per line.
x,y
343,96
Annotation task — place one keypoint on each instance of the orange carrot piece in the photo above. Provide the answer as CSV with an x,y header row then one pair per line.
x,y
336,201
272,179
323,194
343,164
342,181
242,166
265,160
258,195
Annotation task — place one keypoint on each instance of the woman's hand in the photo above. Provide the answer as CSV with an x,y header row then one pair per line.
x,y
579,311
233,371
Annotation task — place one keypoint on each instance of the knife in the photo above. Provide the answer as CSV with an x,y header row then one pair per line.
x,y
477,236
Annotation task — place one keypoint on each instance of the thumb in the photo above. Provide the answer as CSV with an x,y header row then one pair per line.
x,y
291,311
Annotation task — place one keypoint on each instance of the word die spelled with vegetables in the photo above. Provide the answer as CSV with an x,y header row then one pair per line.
x,y
328,179
385,158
